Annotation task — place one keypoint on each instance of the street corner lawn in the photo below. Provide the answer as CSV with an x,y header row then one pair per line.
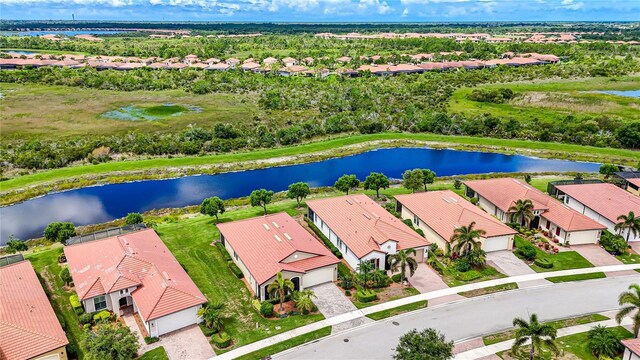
x,y
564,260
453,277
629,258
392,292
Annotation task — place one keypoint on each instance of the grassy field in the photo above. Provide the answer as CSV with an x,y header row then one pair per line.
x,y
563,260
554,101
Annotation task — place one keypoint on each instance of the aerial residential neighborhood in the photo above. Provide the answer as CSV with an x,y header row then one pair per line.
x,y
319,180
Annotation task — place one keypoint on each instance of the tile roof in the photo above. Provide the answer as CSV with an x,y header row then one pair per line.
x,y
633,345
607,200
444,211
634,181
136,259
505,192
28,325
364,225
264,244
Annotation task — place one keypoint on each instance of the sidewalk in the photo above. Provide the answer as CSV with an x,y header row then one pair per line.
x,y
486,351
411,299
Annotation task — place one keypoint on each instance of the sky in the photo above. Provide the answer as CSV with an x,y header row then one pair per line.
x,y
323,10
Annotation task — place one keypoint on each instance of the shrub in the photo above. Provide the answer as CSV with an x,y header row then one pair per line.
x,y
474,200
266,309
469,275
222,340
462,265
338,254
102,316
63,323
419,231
604,342
223,251
150,339
614,244
62,258
235,269
527,252
76,304
324,239
85,318
343,270
133,218
397,278
437,265
366,295
543,263
207,331
347,293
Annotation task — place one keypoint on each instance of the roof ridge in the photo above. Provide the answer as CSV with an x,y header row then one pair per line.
x,y
31,331
158,301
91,287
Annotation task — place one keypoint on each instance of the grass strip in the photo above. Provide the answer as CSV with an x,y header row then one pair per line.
x,y
489,290
158,353
285,345
579,277
398,310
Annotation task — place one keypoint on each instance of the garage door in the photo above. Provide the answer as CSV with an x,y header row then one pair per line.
x,y
496,244
176,321
318,276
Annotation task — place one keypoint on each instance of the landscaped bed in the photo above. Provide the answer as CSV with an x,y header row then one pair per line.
x,y
393,292
563,260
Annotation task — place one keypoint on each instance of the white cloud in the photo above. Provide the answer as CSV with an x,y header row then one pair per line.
x,y
405,13
570,5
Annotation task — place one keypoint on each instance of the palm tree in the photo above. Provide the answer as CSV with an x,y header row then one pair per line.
x,y
630,223
466,238
403,260
630,302
280,286
211,314
522,212
364,268
303,302
540,335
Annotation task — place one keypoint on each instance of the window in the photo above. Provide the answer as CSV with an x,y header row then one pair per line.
x,y
416,220
235,255
124,291
100,302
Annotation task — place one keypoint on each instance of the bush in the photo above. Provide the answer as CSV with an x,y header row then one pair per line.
x,y
462,265
347,293
223,251
235,269
469,275
419,231
207,331
613,243
76,304
338,254
474,200
543,263
266,309
62,258
150,339
222,340
366,295
527,252
133,218
397,278
343,270
101,316
437,265
324,239
85,318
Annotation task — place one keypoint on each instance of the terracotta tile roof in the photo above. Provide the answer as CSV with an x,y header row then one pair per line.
x,y
607,200
364,225
136,259
266,244
505,192
444,211
633,345
635,181
28,325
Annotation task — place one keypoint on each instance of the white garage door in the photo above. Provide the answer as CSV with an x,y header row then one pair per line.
x,y
175,321
318,276
496,244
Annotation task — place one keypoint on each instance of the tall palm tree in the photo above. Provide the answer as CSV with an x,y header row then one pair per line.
x,y
280,286
402,260
630,302
540,335
522,212
630,223
466,238
302,300
211,314
364,268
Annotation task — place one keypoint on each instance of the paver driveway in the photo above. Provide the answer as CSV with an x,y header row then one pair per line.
x,y
198,346
507,263
426,279
331,302
600,257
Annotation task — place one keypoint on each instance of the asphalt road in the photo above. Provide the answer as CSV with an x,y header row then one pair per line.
x,y
469,318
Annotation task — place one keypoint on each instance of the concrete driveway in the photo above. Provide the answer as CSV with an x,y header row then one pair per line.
x,y
509,264
198,346
331,302
426,279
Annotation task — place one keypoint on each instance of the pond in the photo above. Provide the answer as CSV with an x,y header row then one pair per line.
x,y
103,203
157,112
625,93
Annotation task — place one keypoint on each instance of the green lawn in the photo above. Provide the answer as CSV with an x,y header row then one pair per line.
x,y
156,354
455,278
409,291
563,260
580,320
293,342
398,310
580,277
629,258
489,290
190,242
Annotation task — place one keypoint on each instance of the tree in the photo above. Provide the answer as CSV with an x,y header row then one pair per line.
x,y
427,344
133,218
527,178
110,342
522,212
346,183
629,223
466,238
603,342
15,245
298,191
280,287
212,206
376,181
59,231
429,177
211,315
539,335
630,302
303,302
364,269
608,170
413,179
261,198
476,257
402,260
457,184
65,276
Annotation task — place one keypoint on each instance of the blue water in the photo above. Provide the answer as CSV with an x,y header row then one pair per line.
x,y
626,93
19,52
103,203
60,32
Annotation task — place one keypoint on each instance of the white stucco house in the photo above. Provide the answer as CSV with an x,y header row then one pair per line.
x,y
631,349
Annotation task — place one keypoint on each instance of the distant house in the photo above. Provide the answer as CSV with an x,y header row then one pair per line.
x,y
631,349
29,329
602,203
629,180
220,66
289,61
343,60
135,271
364,231
496,196
232,62
440,213
264,246
250,66
270,61
190,59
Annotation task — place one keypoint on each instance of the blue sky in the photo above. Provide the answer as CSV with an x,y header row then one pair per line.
x,y
324,10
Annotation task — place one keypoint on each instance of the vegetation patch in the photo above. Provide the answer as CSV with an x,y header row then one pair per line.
x,y
156,112
288,344
579,277
398,310
158,353
489,290
563,260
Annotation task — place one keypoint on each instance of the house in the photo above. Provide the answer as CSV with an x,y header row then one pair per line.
x,y
343,59
220,66
601,202
364,231
135,271
440,213
266,245
250,66
232,62
190,59
29,329
629,180
631,349
270,61
289,61
496,196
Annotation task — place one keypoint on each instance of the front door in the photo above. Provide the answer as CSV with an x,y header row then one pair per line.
x,y
123,302
296,283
